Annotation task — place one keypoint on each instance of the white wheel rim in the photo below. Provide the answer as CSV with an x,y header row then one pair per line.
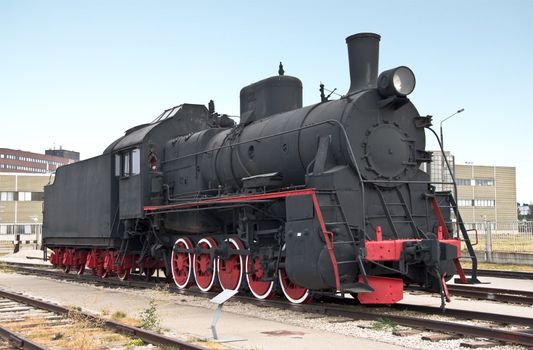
x,y
187,246
292,300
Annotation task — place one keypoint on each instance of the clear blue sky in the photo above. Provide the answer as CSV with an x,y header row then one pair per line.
x,y
79,73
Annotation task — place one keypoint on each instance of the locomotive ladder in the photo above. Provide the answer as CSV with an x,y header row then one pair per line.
x,y
331,222
466,238
406,212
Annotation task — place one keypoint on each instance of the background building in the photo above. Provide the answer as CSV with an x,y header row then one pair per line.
x,y
21,202
17,161
23,176
438,170
486,193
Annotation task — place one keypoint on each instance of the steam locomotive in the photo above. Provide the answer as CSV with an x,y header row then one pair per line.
x,y
299,200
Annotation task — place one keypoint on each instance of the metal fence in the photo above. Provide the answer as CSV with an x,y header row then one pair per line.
x,y
22,229
13,237
504,237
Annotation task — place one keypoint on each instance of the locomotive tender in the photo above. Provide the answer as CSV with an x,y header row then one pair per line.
x,y
324,198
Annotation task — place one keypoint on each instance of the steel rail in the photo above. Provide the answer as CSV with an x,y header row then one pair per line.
x,y
493,294
485,293
145,335
503,274
467,314
514,337
19,341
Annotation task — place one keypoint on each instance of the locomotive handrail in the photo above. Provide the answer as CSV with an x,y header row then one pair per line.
x,y
407,182
312,125
329,121
445,159
459,223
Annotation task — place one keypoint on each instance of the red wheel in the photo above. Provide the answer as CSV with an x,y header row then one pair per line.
x,y
124,269
260,289
80,259
230,270
293,292
65,268
123,274
96,263
54,257
182,264
109,261
66,260
204,268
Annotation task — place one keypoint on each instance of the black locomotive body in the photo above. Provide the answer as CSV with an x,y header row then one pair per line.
x,y
325,198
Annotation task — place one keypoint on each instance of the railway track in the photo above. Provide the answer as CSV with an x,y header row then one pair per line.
x,y
33,324
468,291
495,294
503,274
498,331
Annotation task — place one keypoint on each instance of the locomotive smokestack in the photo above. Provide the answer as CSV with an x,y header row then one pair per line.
x,y
363,56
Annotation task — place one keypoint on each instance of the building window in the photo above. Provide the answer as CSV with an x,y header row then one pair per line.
x,y
465,202
484,182
3,229
24,196
7,196
463,182
484,202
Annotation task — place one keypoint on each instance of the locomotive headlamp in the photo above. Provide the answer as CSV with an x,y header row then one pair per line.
x,y
398,81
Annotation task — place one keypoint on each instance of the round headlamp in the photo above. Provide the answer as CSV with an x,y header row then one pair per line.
x,y
398,81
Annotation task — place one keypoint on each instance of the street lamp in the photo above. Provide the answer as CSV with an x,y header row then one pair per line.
x,y
443,156
445,119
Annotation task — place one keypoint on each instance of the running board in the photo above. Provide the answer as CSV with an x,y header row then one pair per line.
x,y
356,288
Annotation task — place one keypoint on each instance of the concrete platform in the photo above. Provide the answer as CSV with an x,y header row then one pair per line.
x,y
183,319
26,255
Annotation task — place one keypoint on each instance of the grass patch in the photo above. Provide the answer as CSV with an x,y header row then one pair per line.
x,y
118,316
384,324
149,319
136,342
501,242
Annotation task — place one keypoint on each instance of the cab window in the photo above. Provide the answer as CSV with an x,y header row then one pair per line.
x,y
128,162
